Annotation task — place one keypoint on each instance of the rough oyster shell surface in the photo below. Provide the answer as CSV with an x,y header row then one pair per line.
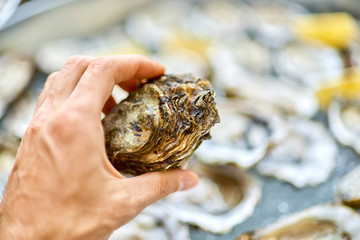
x,y
319,222
161,124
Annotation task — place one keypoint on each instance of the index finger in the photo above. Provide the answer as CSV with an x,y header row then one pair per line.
x,y
97,82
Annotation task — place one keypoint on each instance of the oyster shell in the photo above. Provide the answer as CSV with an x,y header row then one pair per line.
x,y
348,189
52,55
224,197
270,92
16,72
19,116
152,224
320,63
244,136
160,125
274,21
343,122
319,222
8,149
305,158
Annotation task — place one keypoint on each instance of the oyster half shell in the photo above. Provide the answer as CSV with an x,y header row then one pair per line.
x,y
319,222
16,72
8,149
153,224
343,122
305,158
244,136
160,125
348,189
224,197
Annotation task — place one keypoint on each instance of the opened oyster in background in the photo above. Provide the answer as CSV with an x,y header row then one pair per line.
x,y
224,197
348,189
160,125
327,221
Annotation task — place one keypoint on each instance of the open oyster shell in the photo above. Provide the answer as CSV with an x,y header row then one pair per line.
x,y
305,158
320,64
153,224
160,125
8,149
348,189
19,116
244,136
224,197
272,93
16,72
344,116
319,222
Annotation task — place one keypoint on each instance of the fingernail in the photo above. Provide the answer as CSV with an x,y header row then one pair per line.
x,y
187,182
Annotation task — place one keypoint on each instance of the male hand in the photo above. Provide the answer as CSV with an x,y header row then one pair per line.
x,y
62,185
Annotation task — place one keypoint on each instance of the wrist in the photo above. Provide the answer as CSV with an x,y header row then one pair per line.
x,y
18,229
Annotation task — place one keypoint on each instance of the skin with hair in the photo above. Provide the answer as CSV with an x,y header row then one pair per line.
x,y
62,185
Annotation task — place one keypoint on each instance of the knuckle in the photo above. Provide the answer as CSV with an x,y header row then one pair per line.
x,y
49,81
64,123
99,65
37,122
100,62
51,78
33,128
74,60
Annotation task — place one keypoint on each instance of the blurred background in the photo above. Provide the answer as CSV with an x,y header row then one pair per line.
x,y
287,83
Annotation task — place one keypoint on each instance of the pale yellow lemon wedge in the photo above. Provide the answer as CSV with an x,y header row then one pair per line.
x,y
346,87
332,29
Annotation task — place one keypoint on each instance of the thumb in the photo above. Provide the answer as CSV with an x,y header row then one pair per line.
x,y
154,186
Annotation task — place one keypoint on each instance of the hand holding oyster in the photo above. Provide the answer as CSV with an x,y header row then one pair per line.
x,y
160,125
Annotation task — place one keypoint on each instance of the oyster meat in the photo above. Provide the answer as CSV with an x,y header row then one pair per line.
x,y
224,197
348,189
160,125
305,158
319,222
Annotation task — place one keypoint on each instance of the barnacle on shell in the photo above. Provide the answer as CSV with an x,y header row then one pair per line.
x,y
160,125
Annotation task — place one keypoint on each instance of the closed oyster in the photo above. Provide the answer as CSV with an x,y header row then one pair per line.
x,y
224,197
319,222
348,190
160,125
